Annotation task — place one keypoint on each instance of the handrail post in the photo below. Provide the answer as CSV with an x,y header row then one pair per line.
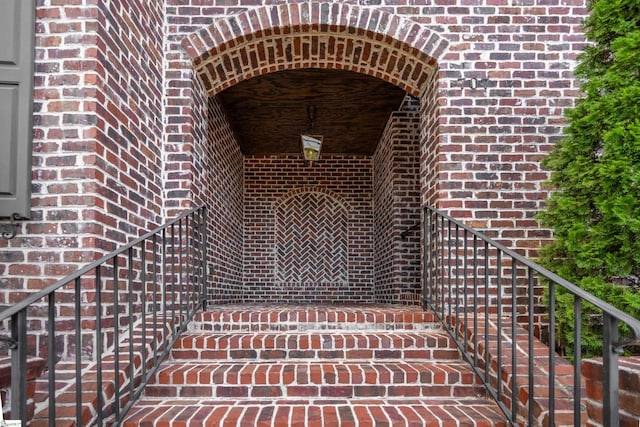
x,y
610,380
19,367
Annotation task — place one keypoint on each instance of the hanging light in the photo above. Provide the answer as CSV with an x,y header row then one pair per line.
x,y
311,142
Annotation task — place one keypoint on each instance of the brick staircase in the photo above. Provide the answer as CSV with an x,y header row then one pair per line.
x,y
341,365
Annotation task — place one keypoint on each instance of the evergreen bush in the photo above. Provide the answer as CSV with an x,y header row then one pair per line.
x,y
595,212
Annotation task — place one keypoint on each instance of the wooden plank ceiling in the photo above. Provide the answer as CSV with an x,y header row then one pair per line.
x,y
269,112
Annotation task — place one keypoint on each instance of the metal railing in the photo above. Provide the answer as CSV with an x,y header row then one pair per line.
x,y
104,330
487,298
408,230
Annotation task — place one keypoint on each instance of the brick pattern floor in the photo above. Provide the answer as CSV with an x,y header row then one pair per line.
x,y
319,366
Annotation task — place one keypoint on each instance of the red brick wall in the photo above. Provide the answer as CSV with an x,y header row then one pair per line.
x,y
97,164
219,184
383,174
628,391
186,115
129,114
397,208
269,183
480,147
120,112
430,139
502,75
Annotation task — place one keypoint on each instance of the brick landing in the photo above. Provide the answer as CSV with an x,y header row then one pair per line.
x,y
328,365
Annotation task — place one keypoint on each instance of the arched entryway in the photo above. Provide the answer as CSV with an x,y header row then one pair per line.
x,y
301,36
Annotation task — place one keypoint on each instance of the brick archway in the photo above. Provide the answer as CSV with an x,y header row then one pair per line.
x,y
315,35
268,39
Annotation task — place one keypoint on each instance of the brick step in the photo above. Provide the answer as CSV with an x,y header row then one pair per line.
x,y
312,413
323,365
404,345
315,379
238,318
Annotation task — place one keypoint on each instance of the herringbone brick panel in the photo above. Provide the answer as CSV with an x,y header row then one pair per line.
x,y
312,235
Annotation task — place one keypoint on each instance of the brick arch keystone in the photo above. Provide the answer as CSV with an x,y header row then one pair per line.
x,y
315,35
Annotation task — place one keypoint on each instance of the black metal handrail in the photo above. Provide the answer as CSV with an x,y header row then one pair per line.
x,y
473,284
408,230
111,323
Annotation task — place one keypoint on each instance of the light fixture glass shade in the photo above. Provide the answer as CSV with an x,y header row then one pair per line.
x,y
311,145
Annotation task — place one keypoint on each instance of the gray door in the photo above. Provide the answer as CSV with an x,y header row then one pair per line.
x,y
17,30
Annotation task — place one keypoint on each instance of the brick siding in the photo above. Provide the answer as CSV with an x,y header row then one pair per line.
x,y
628,391
219,184
397,207
484,143
97,158
121,112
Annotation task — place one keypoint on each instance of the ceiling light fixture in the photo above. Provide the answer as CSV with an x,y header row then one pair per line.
x,y
311,142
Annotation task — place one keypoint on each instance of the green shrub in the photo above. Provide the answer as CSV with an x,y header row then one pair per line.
x,y
621,297
595,212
